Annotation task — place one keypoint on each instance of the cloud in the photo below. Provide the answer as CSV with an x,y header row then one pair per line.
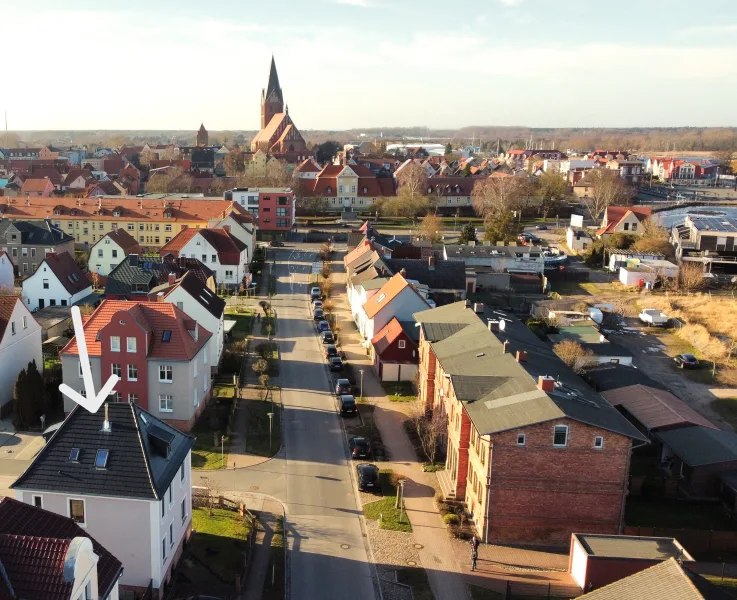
x,y
510,2
706,30
361,3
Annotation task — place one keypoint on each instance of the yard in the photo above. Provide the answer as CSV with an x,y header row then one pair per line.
x,y
220,541
399,391
243,318
678,515
213,422
385,510
258,439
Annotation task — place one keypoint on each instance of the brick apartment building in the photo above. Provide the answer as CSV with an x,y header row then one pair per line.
x,y
274,209
533,452
159,353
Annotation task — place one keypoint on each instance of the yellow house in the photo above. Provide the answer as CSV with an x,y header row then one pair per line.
x,y
153,220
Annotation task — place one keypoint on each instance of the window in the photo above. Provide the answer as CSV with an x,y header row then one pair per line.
x,y
598,442
181,474
228,274
115,254
163,549
167,227
195,368
560,436
132,373
79,370
166,334
115,397
204,258
25,322
24,251
140,239
63,303
180,306
401,344
52,302
214,258
171,496
140,227
101,458
131,227
114,343
33,252
116,369
282,222
133,398
184,510
76,511
171,534
521,439
131,341
195,400
626,226
281,212
74,455
99,253
634,226
12,327
38,502
166,403
165,374
46,284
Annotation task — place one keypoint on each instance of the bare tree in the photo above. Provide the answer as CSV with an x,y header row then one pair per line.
x,y
430,228
430,430
412,179
574,355
553,189
496,196
607,189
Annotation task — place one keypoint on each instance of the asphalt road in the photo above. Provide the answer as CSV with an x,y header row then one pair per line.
x,y
328,559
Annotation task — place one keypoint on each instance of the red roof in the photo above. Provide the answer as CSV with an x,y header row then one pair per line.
x,y
331,171
152,317
615,214
227,246
34,543
307,166
124,239
388,335
33,185
67,272
364,246
74,174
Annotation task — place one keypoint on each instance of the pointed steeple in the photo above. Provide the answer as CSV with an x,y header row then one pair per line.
x,y
273,80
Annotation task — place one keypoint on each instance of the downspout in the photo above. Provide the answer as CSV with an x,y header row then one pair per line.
x,y
488,493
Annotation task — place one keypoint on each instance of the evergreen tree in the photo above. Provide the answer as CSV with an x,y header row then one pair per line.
x,y
468,234
29,397
467,171
449,148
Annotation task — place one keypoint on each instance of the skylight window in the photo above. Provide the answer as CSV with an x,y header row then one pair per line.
x,y
166,336
101,458
74,455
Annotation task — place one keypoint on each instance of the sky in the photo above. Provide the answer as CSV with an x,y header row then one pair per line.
x,y
345,64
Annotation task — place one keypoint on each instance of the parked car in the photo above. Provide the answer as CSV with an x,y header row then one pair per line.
x,y
652,316
323,326
276,244
687,361
326,337
360,447
318,314
342,386
347,405
316,304
315,293
541,227
330,351
368,477
336,364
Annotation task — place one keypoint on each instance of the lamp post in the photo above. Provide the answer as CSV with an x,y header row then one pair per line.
x,y
361,372
271,421
222,451
401,497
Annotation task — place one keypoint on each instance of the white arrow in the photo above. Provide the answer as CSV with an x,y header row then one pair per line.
x,y
91,402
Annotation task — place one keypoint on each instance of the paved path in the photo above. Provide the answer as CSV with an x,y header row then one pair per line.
x,y
259,572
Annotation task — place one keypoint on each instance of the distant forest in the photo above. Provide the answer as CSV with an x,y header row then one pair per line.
x,y
640,139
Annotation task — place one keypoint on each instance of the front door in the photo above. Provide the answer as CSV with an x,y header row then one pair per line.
x,y
40,304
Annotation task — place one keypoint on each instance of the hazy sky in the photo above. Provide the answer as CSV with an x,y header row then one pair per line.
x,y
166,64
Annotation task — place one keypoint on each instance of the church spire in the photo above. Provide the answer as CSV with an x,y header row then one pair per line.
x,y
273,80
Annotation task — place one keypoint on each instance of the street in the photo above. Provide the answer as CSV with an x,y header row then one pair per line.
x,y
328,557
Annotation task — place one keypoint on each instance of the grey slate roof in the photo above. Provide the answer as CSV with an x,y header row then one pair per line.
x,y
612,376
208,299
699,446
463,251
608,349
445,275
501,393
150,271
36,233
136,468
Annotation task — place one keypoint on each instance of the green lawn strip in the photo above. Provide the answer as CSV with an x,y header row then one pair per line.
x,y
385,509
675,514
399,391
276,566
243,318
727,582
206,454
220,541
416,578
727,409
257,434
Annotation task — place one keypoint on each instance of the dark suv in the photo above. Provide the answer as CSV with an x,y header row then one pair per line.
x,y
347,405
342,386
360,447
368,477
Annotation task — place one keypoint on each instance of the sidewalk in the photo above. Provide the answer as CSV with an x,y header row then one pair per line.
x,y
436,552
259,570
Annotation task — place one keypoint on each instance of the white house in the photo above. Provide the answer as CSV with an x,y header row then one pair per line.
x,y
7,277
396,298
217,248
578,240
58,281
20,343
240,226
110,250
199,303
125,477
359,293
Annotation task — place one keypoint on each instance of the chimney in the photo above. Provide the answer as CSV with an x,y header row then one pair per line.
x,y
172,278
478,307
403,273
226,228
545,383
431,263
493,325
521,356
106,422
506,346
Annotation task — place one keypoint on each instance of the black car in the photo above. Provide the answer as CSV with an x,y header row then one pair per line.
x,y
318,314
360,447
347,405
323,326
336,364
368,477
330,351
687,361
342,386
326,337
541,227
276,244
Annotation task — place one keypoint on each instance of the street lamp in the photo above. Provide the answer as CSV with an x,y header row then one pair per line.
x,y
271,421
401,497
222,451
361,372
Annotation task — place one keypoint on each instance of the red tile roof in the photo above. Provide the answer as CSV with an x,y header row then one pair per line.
x,y
7,304
390,290
615,214
124,239
154,318
66,270
363,246
33,185
388,335
32,544
227,246
49,172
102,188
331,171
307,166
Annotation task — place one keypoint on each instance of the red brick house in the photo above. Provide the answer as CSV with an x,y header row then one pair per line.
x,y
534,453
394,351
37,187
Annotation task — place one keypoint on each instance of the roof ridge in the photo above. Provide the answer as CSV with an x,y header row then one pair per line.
x,y
143,449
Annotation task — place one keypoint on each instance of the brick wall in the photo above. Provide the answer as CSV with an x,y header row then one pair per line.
x,y
541,494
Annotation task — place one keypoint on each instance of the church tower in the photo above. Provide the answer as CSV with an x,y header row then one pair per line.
x,y
201,139
272,100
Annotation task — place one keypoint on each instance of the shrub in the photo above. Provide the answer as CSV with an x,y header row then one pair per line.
x,y
451,519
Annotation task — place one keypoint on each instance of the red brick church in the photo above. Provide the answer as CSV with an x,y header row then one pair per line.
x,y
278,133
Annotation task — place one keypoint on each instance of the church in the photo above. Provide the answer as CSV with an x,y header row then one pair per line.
x,y
278,133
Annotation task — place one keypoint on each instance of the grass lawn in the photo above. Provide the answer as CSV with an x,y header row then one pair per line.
x,y
277,566
205,456
727,409
727,582
220,541
243,318
678,514
416,578
384,509
399,391
257,434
